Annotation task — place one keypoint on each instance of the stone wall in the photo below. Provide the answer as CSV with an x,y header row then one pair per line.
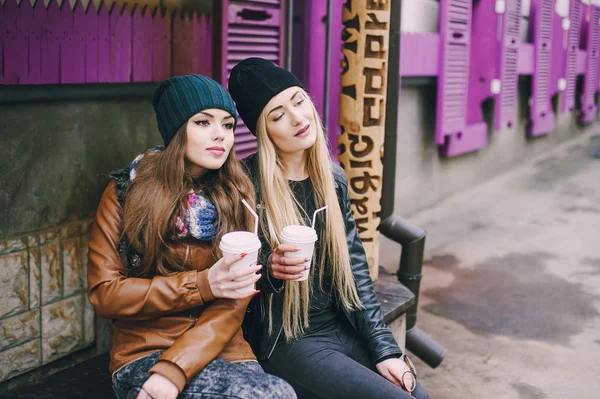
x,y
44,310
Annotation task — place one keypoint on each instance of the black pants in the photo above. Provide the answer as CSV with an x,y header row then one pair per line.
x,y
333,364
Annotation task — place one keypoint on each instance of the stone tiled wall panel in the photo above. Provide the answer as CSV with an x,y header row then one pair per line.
x,y
18,329
44,310
35,279
14,280
72,266
62,328
17,360
89,326
51,272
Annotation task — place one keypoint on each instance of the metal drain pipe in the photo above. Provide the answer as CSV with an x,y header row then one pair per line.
x,y
409,274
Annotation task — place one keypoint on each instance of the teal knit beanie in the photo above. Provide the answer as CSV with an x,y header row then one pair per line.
x,y
177,99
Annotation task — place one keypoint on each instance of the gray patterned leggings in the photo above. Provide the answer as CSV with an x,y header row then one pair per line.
x,y
219,379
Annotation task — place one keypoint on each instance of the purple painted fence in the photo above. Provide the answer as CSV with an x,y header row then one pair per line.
x,y
255,30
590,41
63,45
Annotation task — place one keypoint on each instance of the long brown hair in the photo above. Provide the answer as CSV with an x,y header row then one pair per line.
x,y
159,193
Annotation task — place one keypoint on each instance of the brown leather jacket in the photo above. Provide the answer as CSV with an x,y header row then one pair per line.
x,y
177,314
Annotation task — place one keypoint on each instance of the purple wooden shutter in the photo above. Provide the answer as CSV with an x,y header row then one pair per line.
x,y
568,99
505,106
452,131
250,29
590,79
541,116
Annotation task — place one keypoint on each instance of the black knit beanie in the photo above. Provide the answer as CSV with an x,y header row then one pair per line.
x,y
253,83
177,99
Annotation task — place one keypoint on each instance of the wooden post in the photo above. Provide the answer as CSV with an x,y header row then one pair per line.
x,y
362,113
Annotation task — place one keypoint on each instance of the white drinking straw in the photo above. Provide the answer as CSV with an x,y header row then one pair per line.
x,y
315,215
253,213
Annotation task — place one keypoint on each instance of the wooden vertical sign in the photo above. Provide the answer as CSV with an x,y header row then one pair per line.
x,y
362,113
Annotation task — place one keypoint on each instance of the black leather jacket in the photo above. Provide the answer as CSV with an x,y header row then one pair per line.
x,y
367,322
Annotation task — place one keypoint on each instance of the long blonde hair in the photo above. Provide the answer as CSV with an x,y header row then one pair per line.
x,y
281,209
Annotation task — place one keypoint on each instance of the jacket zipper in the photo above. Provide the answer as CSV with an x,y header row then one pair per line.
x,y
275,343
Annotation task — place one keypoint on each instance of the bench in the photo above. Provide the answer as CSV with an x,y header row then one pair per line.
x,y
395,299
91,378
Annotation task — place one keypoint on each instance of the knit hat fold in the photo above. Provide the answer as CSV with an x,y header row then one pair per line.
x,y
253,83
177,99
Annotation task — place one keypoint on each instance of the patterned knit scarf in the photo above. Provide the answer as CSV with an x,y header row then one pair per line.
x,y
198,218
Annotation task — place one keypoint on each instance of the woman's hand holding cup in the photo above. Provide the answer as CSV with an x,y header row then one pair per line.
x,y
223,282
286,268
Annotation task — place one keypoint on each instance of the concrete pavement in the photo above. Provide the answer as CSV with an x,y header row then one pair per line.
x,y
511,283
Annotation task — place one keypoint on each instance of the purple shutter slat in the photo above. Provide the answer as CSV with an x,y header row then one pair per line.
x,y
73,53
51,49
209,40
508,52
189,42
120,45
542,116
196,46
161,44
452,131
91,45
557,53
2,44
142,45
568,99
590,80
178,62
35,44
15,41
103,44
113,75
205,49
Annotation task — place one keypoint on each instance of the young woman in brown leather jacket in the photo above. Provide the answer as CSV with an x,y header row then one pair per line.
x,y
154,266
325,335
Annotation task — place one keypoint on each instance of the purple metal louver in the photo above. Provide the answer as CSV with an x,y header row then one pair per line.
x,y
591,29
541,116
568,99
452,131
249,29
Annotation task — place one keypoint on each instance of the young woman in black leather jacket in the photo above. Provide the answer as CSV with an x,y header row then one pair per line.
x,y
325,335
